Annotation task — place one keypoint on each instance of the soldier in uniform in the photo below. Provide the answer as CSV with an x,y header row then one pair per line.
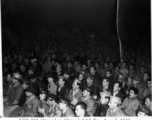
x,y
114,109
52,110
103,106
65,109
31,104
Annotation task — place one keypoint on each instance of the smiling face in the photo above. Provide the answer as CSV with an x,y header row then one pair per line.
x,y
132,94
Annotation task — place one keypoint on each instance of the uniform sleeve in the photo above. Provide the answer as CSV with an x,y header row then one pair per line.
x,y
35,107
57,112
90,108
108,113
134,108
18,94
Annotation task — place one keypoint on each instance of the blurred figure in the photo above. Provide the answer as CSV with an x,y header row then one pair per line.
x,y
80,109
65,109
114,109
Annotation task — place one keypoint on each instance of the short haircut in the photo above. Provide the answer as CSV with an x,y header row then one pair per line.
x,y
134,89
118,67
93,67
148,73
26,82
106,78
110,71
149,97
97,63
120,84
82,105
148,80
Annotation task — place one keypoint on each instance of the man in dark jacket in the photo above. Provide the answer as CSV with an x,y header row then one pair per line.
x,y
103,106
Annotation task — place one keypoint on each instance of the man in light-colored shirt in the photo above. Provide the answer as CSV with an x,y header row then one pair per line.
x,y
52,87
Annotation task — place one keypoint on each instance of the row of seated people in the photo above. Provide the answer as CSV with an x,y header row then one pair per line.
x,y
21,98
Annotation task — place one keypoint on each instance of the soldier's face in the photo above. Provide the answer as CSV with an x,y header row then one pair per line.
x,y
61,106
112,104
132,94
28,94
42,96
78,111
116,87
85,93
103,100
148,103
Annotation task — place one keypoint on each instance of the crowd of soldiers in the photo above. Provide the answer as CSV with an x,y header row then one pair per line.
x,y
75,78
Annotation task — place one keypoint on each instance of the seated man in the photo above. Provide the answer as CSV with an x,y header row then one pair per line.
x,y
14,96
42,102
62,89
103,106
52,87
20,107
31,104
148,89
16,91
117,90
106,85
86,98
114,109
52,110
75,93
80,109
66,111
143,111
131,103
140,86
148,102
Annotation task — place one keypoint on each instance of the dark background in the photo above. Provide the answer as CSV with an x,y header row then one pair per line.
x,y
97,16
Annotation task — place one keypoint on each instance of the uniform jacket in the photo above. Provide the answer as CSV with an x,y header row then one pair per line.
x,y
63,91
15,94
52,88
130,106
77,95
90,105
102,110
116,112
68,113
53,111
31,106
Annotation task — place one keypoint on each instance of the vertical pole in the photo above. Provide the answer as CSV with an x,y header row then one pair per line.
x,y
117,24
